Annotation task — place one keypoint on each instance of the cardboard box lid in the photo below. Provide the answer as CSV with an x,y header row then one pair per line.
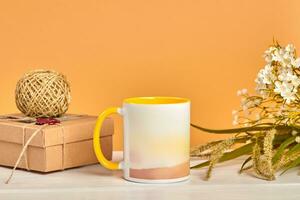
x,y
71,129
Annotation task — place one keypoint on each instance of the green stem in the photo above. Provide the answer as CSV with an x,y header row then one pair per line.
x,y
239,130
230,155
246,149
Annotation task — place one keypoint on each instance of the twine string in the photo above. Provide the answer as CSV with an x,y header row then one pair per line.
x,y
23,144
43,122
17,119
63,146
23,150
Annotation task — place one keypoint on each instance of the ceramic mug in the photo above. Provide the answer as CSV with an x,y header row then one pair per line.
x,y
156,139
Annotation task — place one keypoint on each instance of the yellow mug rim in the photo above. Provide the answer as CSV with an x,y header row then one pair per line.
x,y
156,100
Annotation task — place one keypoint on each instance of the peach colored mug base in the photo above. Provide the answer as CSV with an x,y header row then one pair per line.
x,y
178,171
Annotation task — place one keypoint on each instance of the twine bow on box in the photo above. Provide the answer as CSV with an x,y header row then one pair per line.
x,y
49,121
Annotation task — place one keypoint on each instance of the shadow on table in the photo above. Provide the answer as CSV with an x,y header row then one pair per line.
x,y
99,171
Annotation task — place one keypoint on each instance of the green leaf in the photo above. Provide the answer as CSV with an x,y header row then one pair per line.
x,y
294,149
280,138
281,148
245,162
204,164
292,165
230,155
240,130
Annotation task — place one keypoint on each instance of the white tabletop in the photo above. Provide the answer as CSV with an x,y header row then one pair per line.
x,y
94,182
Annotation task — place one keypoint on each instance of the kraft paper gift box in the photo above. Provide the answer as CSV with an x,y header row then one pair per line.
x,y
55,147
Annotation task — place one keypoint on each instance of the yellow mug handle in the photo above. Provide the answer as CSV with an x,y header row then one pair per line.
x,y
96,140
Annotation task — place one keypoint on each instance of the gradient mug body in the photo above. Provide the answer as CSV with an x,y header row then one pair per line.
x,y
156,139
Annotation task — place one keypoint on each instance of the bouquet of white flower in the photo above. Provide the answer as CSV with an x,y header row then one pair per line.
x,y
269,122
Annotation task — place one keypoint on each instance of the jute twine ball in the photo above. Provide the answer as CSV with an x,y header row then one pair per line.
x,y
43,93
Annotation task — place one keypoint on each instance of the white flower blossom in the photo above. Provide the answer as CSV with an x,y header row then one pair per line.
x,y
294,133
279,75
277,84
290,48
243,101
297,139
286,90
278,55
234,112
266,75
246,125
296,62
257,116
235,120
268,54
244,91
245,107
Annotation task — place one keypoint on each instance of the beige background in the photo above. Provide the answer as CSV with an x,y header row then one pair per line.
x,y
110,50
